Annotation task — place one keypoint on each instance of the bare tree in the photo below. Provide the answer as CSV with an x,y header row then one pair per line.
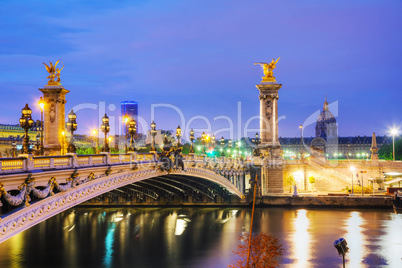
x,y
265,252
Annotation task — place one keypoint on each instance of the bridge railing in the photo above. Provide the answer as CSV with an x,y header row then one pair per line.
x,y
11,164
30,162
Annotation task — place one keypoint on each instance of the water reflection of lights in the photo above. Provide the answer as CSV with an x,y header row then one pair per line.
x,y
69,230
232,213
355,239
392,243
301,239
109,240
16,249
181,224
117,218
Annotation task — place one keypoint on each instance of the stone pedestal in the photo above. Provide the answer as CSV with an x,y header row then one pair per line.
x,y
54,118
272,177
272,164
374,149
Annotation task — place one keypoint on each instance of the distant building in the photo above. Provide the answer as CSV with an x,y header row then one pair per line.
x,y
129,108
160,134
15,133
326,126
326,140
347,147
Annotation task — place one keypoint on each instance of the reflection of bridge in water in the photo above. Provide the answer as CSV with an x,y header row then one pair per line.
x,y
34,189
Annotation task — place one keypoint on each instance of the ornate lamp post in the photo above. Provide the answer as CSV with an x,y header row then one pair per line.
x,y
213,141
14,148
71,126
256,141
132,129
178,135
192,141
230,147
203,140
153,134
353,170
238,147
26,123
41,104
105,129
37,144
301,141
125,120
222,144
394,132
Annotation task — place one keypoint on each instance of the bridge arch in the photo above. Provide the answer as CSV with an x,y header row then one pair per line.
x,y
43,209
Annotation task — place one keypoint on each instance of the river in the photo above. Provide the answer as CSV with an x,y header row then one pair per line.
x,y
203,237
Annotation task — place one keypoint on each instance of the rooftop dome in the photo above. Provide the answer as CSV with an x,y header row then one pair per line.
x,y
326,126
326,115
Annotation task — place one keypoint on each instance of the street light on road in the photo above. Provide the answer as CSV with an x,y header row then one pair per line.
x,y
192,141
353,170
105,129
42,107
301,141
394,132
26,123
96,134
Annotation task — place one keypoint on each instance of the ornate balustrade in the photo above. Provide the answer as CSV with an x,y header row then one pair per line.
x,y
30,163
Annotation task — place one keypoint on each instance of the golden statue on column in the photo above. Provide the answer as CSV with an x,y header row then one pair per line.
x,y
54,73
268,70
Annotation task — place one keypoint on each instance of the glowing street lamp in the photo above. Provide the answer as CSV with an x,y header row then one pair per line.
x,y
105,129
26,123
256,141
192,141
394,132
132,129
213,141
41,104
178,135
230,146
153,134
353,170
72,126
14,147
203,141
95,132
222,144
301,141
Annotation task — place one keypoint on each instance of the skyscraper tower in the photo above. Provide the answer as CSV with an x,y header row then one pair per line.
x,y
129,108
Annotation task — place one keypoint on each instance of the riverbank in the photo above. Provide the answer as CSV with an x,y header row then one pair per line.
x,y
267,201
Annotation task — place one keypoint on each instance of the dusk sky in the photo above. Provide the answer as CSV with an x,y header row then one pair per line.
x,y
198,56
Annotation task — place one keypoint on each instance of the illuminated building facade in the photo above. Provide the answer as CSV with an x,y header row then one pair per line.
x,y
129,108
327,141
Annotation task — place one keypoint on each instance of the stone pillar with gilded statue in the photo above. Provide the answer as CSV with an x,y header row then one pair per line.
x,y
54,95
271,160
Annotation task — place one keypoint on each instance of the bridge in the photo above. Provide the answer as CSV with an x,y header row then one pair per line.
x,y
33,189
